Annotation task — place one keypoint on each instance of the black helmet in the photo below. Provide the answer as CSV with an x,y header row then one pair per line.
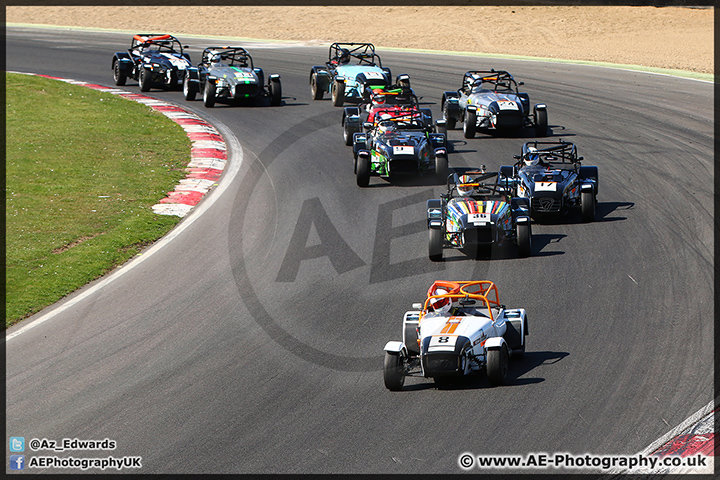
x,y
344,55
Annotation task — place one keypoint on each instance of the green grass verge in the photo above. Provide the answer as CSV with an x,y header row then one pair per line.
x,y
83,169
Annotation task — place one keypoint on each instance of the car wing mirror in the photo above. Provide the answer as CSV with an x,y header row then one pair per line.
x,y
417,306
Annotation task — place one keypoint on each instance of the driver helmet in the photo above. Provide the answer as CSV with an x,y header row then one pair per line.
x,y
378,97
441,305
464,190
344,56
215,58
387,126
531,157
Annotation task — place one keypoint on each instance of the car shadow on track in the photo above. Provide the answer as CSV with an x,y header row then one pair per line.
x,y
602,210
517,368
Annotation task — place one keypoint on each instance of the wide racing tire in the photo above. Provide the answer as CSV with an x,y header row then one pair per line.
x,y
541,122
347,134
441,169
189,88
449,119
514,338
435,244
275,92
118,76
209,94
315,91
338,93
497,365
470,124
394,371
363,171
524,239
587,206
144,80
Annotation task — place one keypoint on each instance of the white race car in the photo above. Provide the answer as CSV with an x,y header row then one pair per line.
x,y
462,328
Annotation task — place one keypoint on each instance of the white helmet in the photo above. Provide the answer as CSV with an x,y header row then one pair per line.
x,y
463,189
531,157
215,58
441,305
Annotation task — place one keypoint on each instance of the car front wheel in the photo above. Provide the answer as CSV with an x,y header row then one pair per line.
x,y
394,371
497,365
209,94
470,124
118,75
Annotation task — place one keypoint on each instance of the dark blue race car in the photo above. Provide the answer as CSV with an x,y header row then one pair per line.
x,y
153,60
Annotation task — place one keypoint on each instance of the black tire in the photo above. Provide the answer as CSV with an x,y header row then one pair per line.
x,y
441,169
449,119
363,171
347,134
119,77
524,239
541,123
514,338
209,94
587,206
393,371
469,124
441,129
144,80
435,244
315,91
275,92
338,94
497,365
189,88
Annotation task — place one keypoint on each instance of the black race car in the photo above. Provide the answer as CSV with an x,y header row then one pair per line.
x,y
490,101
352,70
551,175
228,74
154,60
476,214
400,144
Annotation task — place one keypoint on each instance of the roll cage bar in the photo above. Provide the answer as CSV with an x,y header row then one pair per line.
x,y
559,154
162,42
237,56
483,290
413,118
364,53
498,79
479,183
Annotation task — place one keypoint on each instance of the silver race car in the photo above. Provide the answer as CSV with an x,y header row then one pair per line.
x,y
460,329
228,74
490,101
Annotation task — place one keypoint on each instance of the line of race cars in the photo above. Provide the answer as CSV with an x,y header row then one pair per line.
x,y
461,328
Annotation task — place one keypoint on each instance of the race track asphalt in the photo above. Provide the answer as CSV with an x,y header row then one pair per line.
x,y
252,342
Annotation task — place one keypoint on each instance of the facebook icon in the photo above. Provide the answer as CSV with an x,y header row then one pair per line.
x,y
17,462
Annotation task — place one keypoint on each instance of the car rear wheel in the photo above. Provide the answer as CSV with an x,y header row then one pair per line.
x,y
394,371
587,206
435,244
524,239
315,90
209,94
119,77
338,94
275,92
497,365
189,88
363,171
144,80
469,125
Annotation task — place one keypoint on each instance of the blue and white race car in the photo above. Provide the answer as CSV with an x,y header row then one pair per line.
x,y
154,60
352,71
490,101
